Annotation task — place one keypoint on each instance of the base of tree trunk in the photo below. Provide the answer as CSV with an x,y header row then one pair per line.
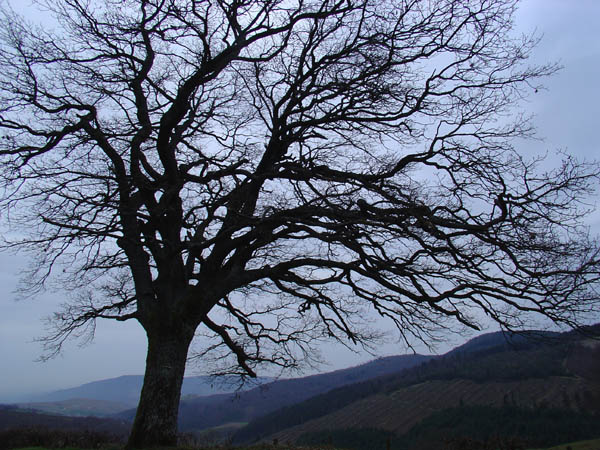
x,y
155,422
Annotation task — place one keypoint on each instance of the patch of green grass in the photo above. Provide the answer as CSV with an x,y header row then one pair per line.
x,y
253,447
44,448
593,444
112,447
229,425
31,448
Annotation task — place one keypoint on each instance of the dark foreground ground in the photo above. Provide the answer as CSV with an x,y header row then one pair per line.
x,y
44,439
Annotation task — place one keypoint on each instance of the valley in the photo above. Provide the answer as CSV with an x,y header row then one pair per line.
x,y
494,385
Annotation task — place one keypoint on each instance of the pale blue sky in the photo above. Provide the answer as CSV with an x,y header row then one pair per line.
x,y
568,115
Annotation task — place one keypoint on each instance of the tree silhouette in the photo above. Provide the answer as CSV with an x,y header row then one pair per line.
x,y
269,171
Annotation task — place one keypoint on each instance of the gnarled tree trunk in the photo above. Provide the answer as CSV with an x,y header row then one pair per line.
x,y
156,418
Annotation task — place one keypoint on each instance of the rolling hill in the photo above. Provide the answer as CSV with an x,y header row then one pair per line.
x,y
558,371
77,407
471,428
401,410
12,417
199,412
108,398
204,412
309,397
543,377
126,389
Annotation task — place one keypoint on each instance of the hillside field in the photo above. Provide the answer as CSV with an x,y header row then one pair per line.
x,y
593,444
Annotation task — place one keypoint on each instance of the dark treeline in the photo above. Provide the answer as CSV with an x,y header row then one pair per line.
x,y
12,417
53,438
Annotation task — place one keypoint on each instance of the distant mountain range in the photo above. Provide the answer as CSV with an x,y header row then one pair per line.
x,y
204,412
494,382
207,401
113,395
126,389
82,407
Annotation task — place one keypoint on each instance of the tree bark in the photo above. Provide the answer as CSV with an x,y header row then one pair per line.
x,y
155,422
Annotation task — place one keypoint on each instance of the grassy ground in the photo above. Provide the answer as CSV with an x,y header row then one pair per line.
x,y
43,448
255,447
594,444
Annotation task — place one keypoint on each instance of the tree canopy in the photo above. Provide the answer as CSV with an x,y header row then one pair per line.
x,y
269,171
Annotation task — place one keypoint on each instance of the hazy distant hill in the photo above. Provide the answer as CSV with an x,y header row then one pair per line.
x,y
126,389
205,412
77,407
197,412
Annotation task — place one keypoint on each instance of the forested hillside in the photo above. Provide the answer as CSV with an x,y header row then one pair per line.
x,y
543,371
12,417
470,428
204,412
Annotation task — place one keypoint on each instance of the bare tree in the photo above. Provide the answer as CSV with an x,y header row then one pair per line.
x,y
269,171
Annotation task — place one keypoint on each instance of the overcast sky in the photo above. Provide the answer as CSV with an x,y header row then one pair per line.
x,y
567,115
